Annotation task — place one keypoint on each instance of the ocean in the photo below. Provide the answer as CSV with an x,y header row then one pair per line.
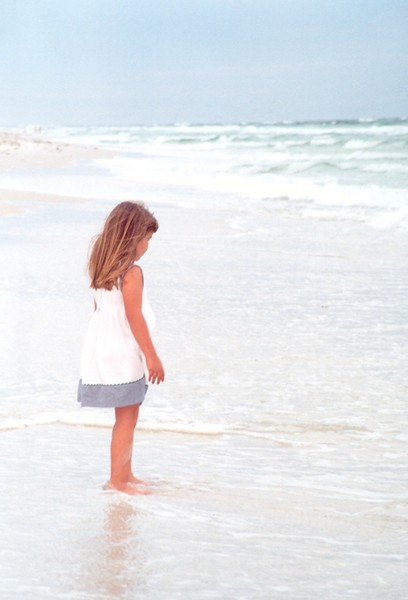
x,y
277,445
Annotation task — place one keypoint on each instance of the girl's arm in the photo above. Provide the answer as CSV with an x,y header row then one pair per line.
x,y
132,289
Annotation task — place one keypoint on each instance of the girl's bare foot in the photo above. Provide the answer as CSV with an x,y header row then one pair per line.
x,y
126,488
136,481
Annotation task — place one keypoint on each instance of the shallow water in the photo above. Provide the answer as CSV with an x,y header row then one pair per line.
x,y
277,446
206,532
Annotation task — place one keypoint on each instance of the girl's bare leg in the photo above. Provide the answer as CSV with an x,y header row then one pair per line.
x,y
130,477
122,449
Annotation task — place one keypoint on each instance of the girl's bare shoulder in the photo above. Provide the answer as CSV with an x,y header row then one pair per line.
x,y
134,273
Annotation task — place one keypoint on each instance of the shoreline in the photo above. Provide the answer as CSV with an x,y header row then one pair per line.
x,y
19,151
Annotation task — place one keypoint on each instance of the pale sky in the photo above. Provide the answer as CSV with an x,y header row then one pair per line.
x,y
123,62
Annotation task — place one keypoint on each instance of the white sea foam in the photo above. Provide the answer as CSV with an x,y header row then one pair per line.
x,y
362,144
105,419
336,164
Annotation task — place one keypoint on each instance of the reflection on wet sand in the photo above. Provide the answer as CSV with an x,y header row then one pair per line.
x,y
118,569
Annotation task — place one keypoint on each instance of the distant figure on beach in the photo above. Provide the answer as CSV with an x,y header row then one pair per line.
x,y
118,356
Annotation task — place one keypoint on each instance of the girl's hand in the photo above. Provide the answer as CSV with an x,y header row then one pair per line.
x,y
155,368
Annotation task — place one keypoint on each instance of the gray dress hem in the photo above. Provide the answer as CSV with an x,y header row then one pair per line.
x,y
112,396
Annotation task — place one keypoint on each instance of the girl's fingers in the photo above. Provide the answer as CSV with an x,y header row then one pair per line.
x,y
155,377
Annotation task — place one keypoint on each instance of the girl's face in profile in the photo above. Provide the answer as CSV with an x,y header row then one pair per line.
x,y
143,245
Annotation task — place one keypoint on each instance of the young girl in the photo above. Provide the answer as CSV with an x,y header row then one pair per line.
x,y
118,353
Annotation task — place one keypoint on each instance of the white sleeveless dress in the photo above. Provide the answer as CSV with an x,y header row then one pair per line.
x,y
113,368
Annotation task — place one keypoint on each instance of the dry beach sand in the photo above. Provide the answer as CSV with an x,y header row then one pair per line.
x,y
21,152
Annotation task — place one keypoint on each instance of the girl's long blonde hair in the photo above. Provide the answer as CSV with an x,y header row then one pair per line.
x,y
113,251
